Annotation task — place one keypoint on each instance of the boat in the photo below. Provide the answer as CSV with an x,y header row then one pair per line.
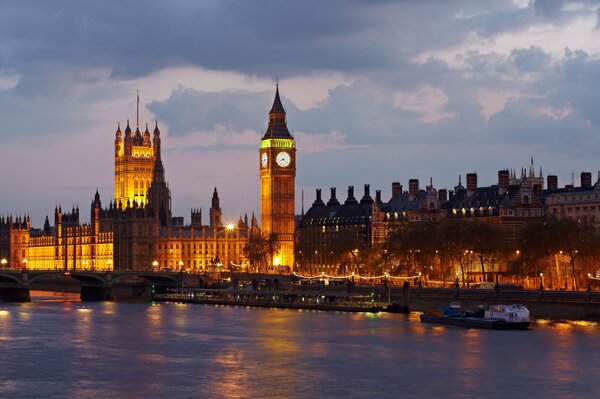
x,y
495,317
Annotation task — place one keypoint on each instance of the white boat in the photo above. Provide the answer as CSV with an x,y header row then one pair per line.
x,y
508,313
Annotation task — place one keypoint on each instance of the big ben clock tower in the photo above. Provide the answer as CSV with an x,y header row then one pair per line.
x,y
277,161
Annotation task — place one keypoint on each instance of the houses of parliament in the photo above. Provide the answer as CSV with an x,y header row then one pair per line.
x,y
136,231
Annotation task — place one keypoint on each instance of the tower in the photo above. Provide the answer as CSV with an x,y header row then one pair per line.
x,y
215,211
134,164
277,164
159,195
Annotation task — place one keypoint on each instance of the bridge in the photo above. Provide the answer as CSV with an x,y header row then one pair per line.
x,y
95,285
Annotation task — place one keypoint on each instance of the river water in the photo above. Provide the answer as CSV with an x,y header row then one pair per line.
x,y
58,347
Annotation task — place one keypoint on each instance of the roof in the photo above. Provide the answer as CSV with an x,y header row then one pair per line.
x,y
351,214
277,124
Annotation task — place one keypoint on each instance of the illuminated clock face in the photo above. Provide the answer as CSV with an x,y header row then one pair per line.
x,y
264,159
283,159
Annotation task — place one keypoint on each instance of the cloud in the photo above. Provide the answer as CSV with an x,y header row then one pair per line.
x,y
429,102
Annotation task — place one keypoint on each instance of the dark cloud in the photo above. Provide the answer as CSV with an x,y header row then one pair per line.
x,y
263,37
189,110
532,59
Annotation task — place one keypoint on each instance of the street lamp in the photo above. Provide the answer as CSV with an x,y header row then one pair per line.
x,y
180,265
3,262
589,282
456,279
155,265
541,281
24,263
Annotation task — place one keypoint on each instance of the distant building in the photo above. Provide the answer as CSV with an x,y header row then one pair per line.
x,y
510,203
581,203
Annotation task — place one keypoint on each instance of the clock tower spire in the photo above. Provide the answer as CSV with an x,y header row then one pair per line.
x,y
277,165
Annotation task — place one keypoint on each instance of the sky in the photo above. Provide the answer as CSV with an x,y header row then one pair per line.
x,y
375,92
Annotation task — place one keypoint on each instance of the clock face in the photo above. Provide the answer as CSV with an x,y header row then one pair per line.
x,y
264,159
283,159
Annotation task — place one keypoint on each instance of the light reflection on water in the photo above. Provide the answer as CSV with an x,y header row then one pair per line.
x,y
116,350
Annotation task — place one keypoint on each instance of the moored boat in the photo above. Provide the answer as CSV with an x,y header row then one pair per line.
x,y
496,317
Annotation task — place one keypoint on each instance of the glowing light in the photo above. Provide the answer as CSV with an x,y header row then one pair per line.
x,y
230,227
276,260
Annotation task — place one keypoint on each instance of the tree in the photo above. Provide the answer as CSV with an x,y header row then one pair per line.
x,y
260,249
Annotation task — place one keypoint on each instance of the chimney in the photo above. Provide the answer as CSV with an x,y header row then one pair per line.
x,y
396,189
586,179
503,178
413,187
552,182
318,201
471,183
350,199
333,200
366,199
378,196
450,195
443,195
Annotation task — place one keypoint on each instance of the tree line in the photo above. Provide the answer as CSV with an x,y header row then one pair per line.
x,y
563,250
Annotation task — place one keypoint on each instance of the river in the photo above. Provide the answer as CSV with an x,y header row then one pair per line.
x,y
58,347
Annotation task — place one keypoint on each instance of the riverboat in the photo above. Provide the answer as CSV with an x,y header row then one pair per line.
x,y
496,317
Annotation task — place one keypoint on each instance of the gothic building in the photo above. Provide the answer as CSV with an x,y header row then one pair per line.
x,y
136,231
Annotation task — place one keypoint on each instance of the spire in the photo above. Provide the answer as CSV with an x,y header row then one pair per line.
x,y
127,131
156,142
303,194
215,200
277,123
277,106
147,136
137,115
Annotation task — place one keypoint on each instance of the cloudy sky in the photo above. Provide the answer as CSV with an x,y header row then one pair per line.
x,y
375,92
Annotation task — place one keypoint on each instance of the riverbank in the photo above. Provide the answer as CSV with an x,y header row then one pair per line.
x,y
542,304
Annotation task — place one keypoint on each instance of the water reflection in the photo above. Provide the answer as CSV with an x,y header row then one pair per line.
x,y
168,350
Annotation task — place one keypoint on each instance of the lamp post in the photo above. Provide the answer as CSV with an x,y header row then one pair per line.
x,y
181,265
589,288
541,281
154,265
354,253
456,285
3,262
25,263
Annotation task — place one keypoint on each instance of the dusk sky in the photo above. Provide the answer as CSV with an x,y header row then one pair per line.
x,y
375,92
